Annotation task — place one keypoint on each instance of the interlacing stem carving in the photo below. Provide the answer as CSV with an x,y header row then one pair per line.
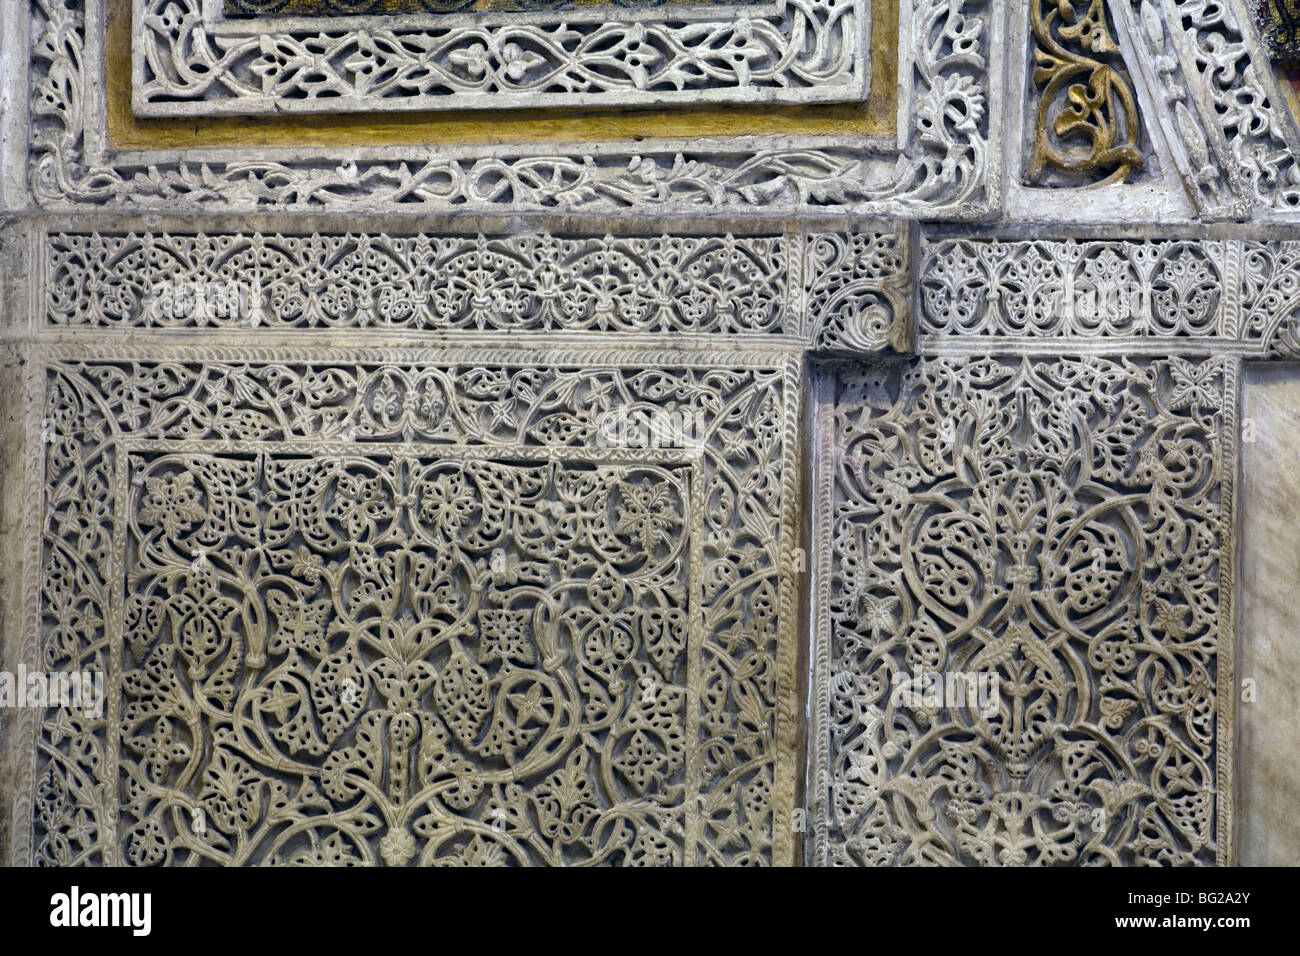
x,y
1087,121
387,613
1026,640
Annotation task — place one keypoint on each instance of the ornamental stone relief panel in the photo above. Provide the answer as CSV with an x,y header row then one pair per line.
x,y
189,60
915,136
529,597
372,610
1178,102
607,433
1223,111
845,291
1023,647
1229,296
1086,124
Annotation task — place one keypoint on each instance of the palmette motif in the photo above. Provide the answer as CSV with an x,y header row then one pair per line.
x,y
358,614
1058,532
1233,295
944,163
624,283
186,62
829,291
857,288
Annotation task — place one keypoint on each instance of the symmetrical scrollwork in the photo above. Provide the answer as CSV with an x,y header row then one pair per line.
x,y
1087,122
945,168
486,661
393,613
831,292
1057,535
1223,295
187,64
536,281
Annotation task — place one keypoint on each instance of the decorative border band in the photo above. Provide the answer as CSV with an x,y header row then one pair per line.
x,y
185,62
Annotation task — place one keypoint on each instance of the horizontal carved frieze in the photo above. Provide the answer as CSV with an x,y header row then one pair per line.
x,y
837,292
1230,295
186,62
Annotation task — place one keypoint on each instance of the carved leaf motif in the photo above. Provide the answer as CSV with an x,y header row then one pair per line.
x,y
462,696
1023,634
330,664
1087,123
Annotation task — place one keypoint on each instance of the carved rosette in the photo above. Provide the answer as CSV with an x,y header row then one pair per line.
x,y
362,612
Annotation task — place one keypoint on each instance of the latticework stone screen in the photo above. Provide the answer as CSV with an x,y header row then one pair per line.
x,y
615,433
1024,653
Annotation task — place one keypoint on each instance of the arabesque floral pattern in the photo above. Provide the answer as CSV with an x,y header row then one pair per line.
x,y
356,614
1060,530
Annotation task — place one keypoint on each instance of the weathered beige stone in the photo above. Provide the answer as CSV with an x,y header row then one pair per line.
x,y
1268,732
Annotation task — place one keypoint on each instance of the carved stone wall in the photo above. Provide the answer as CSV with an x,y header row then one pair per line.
x,y
530,596
799,432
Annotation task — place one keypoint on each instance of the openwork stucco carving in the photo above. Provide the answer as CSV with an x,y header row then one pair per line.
x,y
949,77
349,8
830,291
1233,137
1058,534
1199,151
536,281
858,292
186,63
373,609
1226,296
445,504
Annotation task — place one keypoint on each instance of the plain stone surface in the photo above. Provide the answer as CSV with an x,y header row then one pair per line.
x,y
1268,731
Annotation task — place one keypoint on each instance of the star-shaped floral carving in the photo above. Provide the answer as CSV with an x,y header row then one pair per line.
x,y
529,706
1194,385
172,502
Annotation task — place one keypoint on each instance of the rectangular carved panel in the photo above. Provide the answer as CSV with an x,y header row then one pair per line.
x,y
835,292
365,609
188,62
376,10
1023,642
530,282
1229,296
837,160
